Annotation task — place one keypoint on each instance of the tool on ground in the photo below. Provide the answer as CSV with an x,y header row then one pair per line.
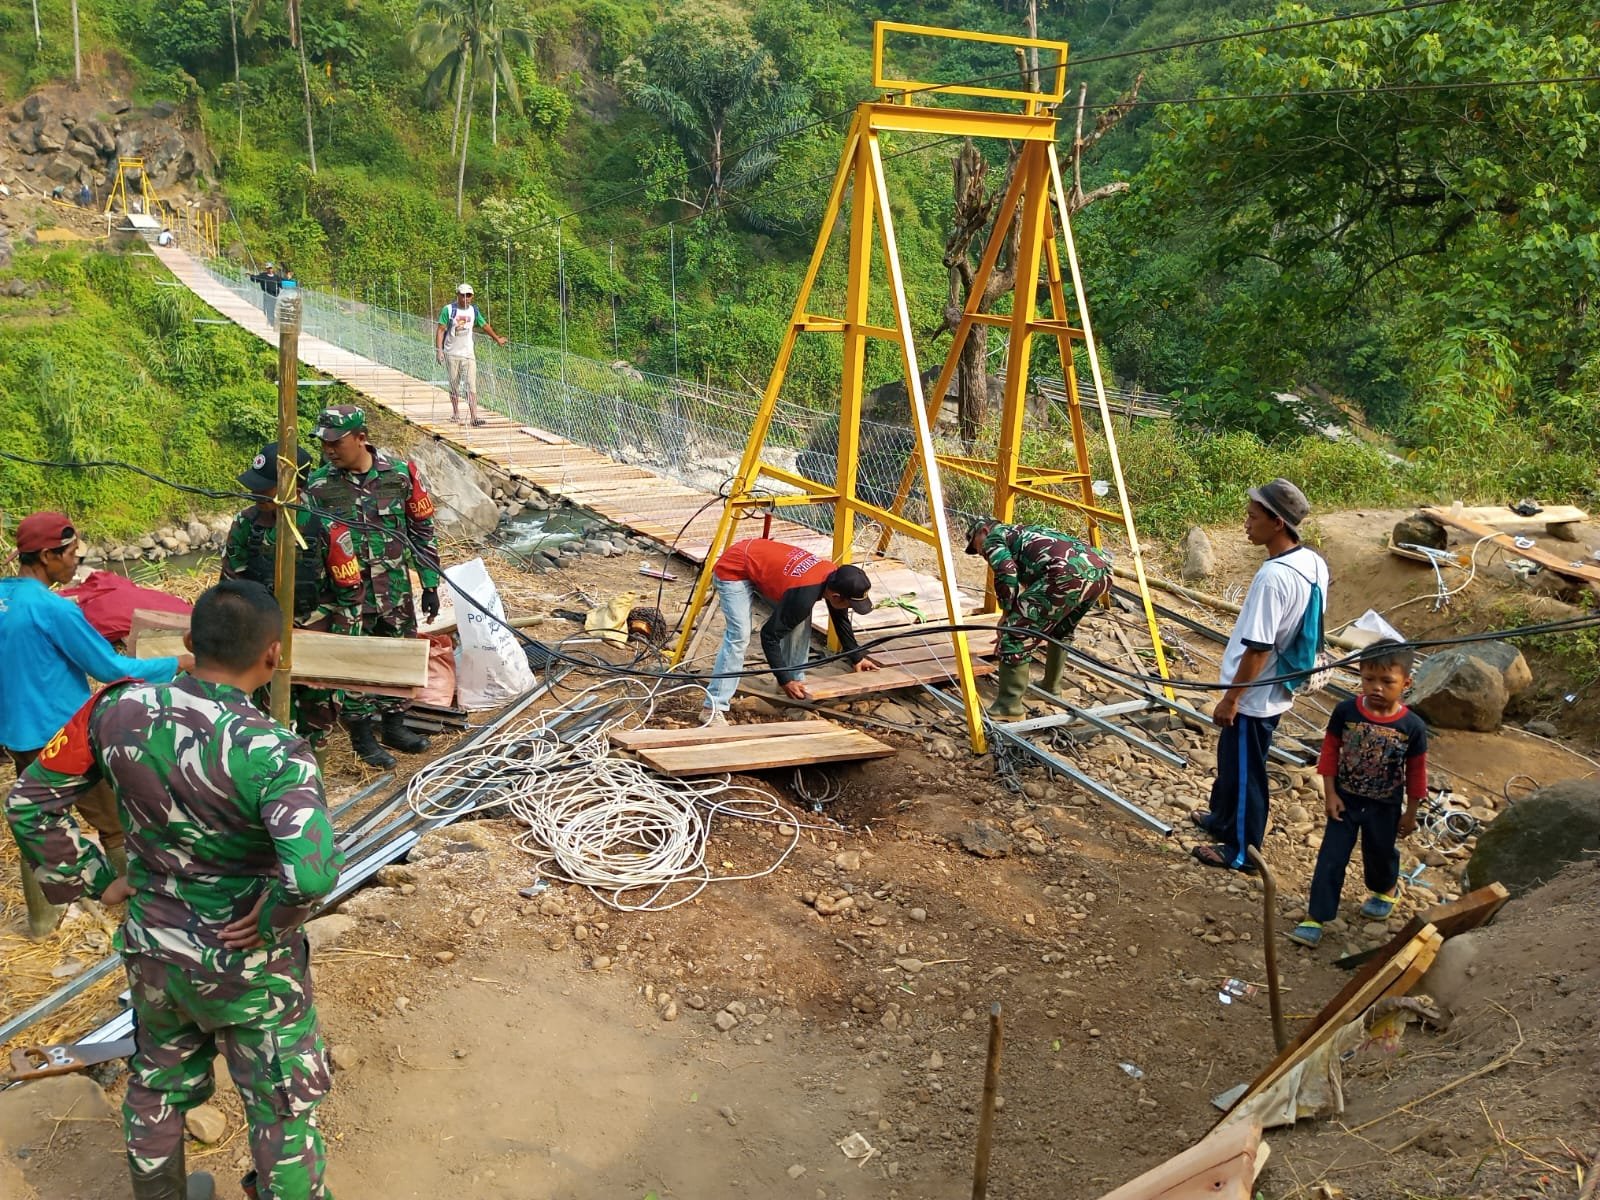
x,y
40,1062
991,1089
1269,940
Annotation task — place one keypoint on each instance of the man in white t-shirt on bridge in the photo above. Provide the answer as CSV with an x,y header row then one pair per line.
x,y
1248,713
452,346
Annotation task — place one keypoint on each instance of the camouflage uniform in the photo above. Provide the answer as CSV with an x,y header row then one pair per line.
x,y
390,515
1045,580
327,594
222,805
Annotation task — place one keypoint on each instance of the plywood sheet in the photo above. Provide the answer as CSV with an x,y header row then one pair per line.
x,y
762,754
865,683
1504,518
704,735
330,658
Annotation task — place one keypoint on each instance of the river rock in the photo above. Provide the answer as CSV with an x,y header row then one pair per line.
x,y
1418,530
206,1124
1199,559
1455,690
1538,835
464,507
985,839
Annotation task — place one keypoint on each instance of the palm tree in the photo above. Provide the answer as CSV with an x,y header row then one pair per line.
x,y
252,17
471,44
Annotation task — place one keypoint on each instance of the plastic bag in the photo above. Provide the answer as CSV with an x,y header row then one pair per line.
x,y
491,668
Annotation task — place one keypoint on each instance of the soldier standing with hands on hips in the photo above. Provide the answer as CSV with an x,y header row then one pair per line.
x,y
382,500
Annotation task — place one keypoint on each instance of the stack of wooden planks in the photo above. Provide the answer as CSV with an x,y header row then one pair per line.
x,y
385,666
734,749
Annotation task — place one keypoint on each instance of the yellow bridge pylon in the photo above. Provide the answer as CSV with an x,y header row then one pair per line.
x,y
1037,192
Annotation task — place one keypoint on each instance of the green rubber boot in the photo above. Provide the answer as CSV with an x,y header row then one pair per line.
x,y
1055,658
1013,678
43,916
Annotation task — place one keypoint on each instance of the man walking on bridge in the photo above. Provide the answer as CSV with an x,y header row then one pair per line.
x,y
381,499
229,847
452,346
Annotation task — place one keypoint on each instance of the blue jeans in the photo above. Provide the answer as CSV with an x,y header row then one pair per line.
x,y
1377,826
735,596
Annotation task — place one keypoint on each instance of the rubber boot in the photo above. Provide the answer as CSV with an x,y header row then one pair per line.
x,y
1013,678
247,1185
320,753
364,741
170,1181
1055,658
43,917
398,737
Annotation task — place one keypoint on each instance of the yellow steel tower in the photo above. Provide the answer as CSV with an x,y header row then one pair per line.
x,y
1036,191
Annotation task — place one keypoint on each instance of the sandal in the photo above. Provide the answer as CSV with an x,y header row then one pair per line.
x,y
479,421
1211,856
1200,819
1307,933
1377,908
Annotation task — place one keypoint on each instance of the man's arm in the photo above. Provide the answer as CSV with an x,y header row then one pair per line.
x,y
1007,574
340,609
439,331
483,324
419,528
292,808
85,649
1250,666
793,610
839,618
236,550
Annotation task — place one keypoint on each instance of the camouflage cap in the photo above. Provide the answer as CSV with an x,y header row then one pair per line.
x,y
333,423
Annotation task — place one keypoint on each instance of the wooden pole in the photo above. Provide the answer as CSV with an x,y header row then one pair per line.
x,y
991,1089
288,314
1269,947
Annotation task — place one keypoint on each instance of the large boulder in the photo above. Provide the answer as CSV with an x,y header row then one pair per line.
x,y
1455,690
1418,530
1505,658
464,506
1532,840
35,107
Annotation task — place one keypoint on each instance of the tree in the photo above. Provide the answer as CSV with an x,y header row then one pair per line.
x,y
1456,213
973,213
705,76
252,18
471,44
77,51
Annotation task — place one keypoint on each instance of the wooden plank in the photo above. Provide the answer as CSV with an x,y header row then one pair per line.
x,y
1561,566
702,735
1470,911
763,754
1503,518
904,652
331,659
862,683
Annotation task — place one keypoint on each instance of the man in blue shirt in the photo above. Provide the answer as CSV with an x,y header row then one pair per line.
x,y
48,654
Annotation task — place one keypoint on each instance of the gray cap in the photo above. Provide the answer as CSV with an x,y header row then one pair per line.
x,y
1284,501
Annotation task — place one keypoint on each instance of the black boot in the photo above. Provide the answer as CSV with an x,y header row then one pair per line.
x,y
364,741
396,734
171,1182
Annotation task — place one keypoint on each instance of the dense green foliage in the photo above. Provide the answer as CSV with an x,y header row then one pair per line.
x,y
1425,258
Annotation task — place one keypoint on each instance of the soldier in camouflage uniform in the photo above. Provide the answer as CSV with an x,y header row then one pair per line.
x,y
327,578
229,846
382,499
1045,581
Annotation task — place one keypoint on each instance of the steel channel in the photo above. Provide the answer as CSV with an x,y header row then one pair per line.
x,y
1155,749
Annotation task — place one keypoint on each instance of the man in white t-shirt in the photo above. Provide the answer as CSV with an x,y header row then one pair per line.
x,y
452,346
1269,622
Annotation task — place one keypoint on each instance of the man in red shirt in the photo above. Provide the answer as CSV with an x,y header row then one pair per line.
x,y
792,580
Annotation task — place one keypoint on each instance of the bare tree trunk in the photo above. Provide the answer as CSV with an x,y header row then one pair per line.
x,y
77,53
461,87
38,37
305,84
466,137
238,88
1032,84
716,165
494,113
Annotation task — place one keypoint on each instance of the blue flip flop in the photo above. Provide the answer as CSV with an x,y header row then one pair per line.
x,y
1307,933
1377,908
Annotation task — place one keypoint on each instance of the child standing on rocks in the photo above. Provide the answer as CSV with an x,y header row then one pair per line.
x,y
1374,769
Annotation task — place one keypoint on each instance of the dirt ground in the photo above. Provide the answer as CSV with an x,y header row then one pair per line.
x,y
495,1044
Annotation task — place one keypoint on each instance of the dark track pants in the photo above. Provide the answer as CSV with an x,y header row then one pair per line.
x,y
1239,797
1378,827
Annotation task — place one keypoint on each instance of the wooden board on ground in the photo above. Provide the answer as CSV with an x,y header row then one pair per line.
x,y
1222,1166
1378,979
1503,518
332,659
863,683
1561,566
762,754
705,735
1470,911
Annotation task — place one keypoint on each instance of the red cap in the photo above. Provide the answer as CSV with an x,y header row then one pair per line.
x,y
44,531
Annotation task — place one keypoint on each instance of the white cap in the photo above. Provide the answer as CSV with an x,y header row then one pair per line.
x,y
465,287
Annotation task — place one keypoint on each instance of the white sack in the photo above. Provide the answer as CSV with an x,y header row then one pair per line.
x,y
491,668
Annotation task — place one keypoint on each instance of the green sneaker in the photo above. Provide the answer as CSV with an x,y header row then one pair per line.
x,y
1307,933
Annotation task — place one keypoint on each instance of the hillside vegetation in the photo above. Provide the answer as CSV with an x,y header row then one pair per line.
x,y
1373,220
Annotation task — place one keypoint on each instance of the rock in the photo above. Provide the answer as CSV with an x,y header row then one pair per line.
x,y
1544,729
918,914
118,105
464,507
1505,658
724,1021
196,532
162,109
1418,530
985,839
62,168
1455,690
669,1011
35,107
444,957
477,917
326,931
1453,966
1199,559
1563,531
848,860
796,1171
1538,835
343,1056
206,1123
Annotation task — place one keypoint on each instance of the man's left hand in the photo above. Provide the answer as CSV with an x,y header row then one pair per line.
x,y
866,664
430,603
118,892
245,933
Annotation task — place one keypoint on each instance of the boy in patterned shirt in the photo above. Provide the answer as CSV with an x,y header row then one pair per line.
x,y
1374,769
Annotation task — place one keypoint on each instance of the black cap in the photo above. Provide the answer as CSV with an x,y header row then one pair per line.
x,y
851,583
262,474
